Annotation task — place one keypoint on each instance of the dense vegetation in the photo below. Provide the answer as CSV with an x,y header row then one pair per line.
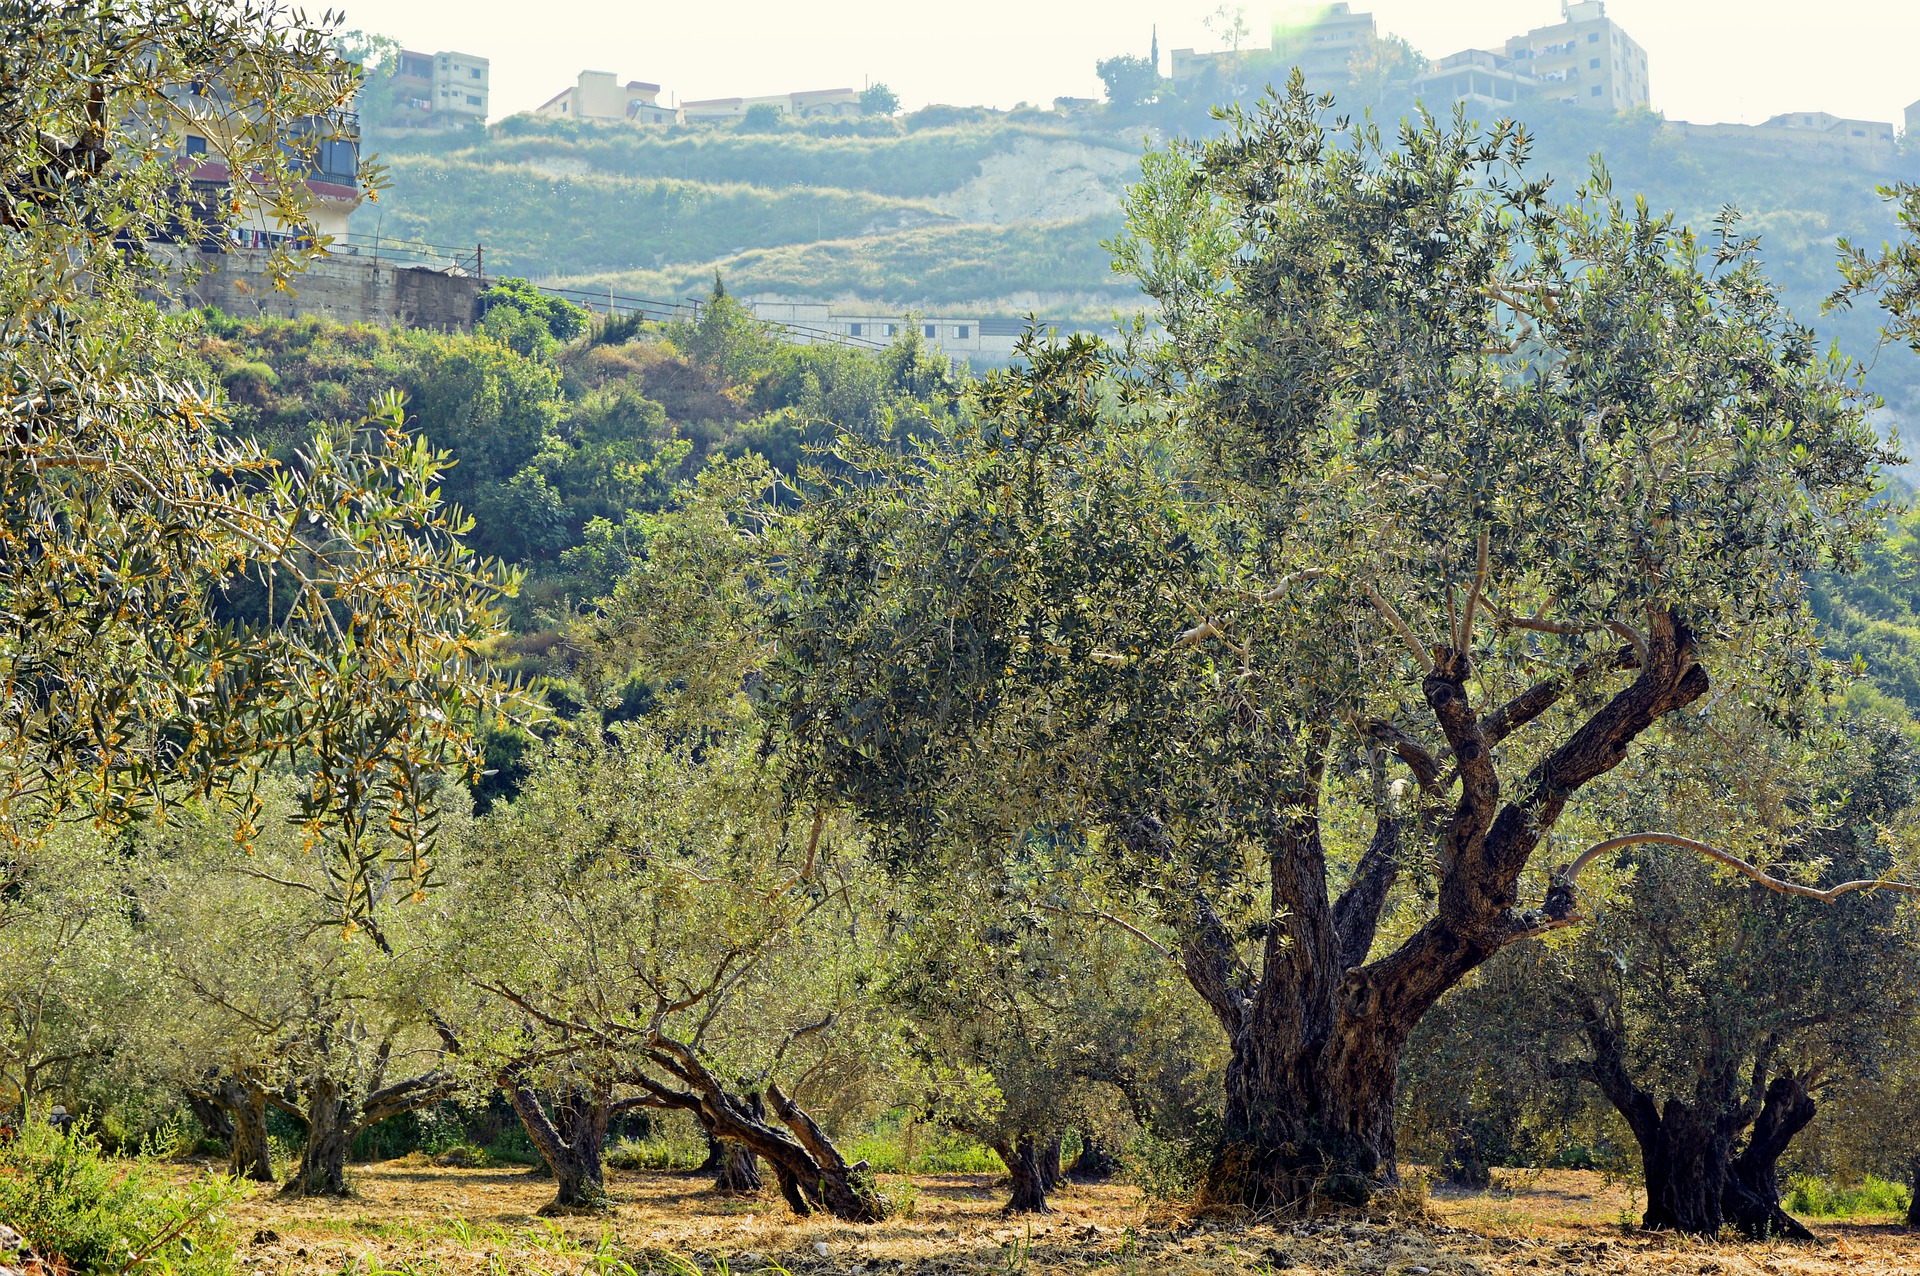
x,y
1376,710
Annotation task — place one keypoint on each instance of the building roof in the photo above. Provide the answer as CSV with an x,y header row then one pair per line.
x,y
642,84
563,93
715,101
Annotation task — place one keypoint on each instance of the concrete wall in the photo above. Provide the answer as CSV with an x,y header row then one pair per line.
x,y
346,289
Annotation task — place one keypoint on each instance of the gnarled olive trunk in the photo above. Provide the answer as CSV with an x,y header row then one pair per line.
x,y
1316,1036
1752,1196
234,1110
736,1170
1913,1192
1695,1182
331,1124
811,1173
1023,1155
1096,1162
571,1139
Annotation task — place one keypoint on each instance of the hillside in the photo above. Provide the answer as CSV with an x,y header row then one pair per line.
x,y
976,212
966,215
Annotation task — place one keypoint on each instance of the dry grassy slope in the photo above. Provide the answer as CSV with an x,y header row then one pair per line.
x,y
418,1219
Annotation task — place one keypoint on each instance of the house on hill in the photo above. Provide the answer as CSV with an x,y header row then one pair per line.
x,y
599,95
809,104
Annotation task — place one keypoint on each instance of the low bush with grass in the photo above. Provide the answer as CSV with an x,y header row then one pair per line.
x,y
1823,1198
85,1213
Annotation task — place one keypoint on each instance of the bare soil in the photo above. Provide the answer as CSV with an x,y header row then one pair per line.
x,y
431,1221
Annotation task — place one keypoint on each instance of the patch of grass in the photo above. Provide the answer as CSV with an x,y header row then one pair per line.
x,y
893,1147
1821,1198
83,1212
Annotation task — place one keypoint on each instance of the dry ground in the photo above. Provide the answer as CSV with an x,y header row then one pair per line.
x,y
429,1221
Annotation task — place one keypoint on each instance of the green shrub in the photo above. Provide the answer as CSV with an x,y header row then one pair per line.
x,y
1821,1198
78,1208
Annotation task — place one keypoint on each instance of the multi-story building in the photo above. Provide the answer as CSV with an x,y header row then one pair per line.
x,y
439,91
1481,78
1321,40
1810,137
1584,60
806,105
599,95
324,150
1913,118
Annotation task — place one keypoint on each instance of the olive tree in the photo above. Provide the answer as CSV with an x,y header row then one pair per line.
x,y
648,914
271,1003
127,512
1429,470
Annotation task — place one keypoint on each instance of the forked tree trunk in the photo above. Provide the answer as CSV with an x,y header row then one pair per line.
x,y
1316,1035
251,1153
737,1169
331,1126
571,1140
1752,1196
234,1110
1096,1162
1022,1156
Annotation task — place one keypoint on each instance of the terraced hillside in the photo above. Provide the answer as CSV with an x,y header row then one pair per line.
x,y
974,216
971,212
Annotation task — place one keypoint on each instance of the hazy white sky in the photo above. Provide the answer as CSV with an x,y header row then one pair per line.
x,y
1711,60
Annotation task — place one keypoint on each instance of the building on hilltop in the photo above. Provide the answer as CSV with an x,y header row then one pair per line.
x,y
599,95
323,149
1913,118
1805,137
807,105
438,91
1478,77
1320,39
1584,60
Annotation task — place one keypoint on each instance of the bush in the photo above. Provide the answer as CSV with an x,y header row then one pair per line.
x,y
1821,1198
80,1210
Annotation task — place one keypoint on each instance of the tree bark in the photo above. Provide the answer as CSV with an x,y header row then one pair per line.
x,y
1686,1157
571,1140
1022,1156
330,1129
1315,1041
738,1170
1752,1195
251,1154
1048,1156
1096,1162
1913,1192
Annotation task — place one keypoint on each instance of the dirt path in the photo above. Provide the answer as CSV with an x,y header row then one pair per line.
x,y
449,1222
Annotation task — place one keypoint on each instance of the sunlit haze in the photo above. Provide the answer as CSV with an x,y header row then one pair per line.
x,y
1711,60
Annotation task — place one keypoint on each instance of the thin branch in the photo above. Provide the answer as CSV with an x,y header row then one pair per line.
x,y
1121,922
1420,654
1567,875
1464,637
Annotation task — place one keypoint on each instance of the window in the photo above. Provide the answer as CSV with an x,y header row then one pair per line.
x,y
853,329
1595,92
930,331
963,332
472,100
196,145
1594,63
473,72
1593,37
892,331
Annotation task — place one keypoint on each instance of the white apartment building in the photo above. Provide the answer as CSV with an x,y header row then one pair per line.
x,y
439,91
1584,60
806,105
599,95
1482,79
